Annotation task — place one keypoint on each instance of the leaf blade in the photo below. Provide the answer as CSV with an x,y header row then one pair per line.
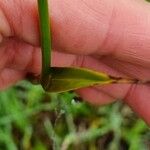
x,y
64,79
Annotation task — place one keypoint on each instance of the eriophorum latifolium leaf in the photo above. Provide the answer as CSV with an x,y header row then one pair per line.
x,y
71,78
61,79
64,79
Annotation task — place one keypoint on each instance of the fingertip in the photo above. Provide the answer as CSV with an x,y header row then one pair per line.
x,y
138,99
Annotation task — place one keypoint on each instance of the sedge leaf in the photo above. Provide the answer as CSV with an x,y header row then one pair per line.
x,y
64,79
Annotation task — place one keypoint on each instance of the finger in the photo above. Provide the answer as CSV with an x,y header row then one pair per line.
x,y
117,91
9,77
95,64
22,18
103,27
139,100
19,55
129,69
22,56
95,97
60,59
4,26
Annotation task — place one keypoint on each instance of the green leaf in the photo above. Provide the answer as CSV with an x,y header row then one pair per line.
x,y
63,79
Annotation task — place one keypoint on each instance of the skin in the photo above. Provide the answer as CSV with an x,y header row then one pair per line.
x,y
111,36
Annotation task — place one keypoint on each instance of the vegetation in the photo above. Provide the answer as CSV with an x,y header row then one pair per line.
x,y
31,119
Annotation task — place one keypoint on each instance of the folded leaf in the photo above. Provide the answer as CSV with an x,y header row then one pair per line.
x,y
63,79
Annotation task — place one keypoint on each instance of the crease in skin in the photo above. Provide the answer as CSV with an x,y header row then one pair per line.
x,y
1,38
5,30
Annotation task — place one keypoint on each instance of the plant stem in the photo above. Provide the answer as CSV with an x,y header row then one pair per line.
x,y
46,42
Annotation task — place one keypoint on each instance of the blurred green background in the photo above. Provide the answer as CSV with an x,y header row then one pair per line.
x,y
31,119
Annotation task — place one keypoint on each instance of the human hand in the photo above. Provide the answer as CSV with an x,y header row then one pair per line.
x,y
106,36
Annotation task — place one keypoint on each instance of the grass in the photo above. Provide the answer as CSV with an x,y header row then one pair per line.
x,y
33,120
